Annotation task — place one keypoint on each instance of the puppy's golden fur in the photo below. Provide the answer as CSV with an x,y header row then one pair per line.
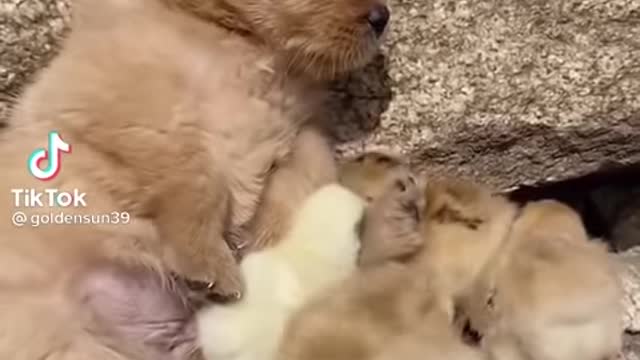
x,y
175,111
551,294
183,116
309,166
322,39
44,319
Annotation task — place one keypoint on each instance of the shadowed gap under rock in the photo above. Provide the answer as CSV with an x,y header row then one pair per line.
x,y
608,202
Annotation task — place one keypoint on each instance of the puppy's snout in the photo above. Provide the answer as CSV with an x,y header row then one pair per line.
x,y
379,18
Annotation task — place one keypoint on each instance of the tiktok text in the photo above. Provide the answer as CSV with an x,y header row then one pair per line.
x,y
33,198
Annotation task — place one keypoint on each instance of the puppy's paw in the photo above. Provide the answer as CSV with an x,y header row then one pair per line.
x,y
201,292
239,241
215,276
229,285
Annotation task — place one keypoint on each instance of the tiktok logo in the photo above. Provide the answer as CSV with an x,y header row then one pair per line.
x,y
55,149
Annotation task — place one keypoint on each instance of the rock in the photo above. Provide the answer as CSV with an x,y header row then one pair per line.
x,y
631,347
29,34
513,92
510,92
631,282
626,229
630,276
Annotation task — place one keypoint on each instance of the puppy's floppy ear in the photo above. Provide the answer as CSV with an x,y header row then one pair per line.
x,y
141,307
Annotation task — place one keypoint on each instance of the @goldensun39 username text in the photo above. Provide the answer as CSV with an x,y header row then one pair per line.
x,y
21,219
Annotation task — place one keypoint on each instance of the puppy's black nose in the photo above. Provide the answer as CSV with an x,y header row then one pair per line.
x,y
378,18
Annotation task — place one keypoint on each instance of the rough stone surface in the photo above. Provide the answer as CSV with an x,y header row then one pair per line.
x,y
29,33
630,260
630,275
631,347
512,92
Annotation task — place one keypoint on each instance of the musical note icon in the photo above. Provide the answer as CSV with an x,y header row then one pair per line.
x,y
53,156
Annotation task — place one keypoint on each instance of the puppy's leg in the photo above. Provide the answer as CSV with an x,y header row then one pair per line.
x,y
196,247
391,225
310,165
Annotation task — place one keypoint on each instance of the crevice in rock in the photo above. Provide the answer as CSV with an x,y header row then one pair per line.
x,y
608,202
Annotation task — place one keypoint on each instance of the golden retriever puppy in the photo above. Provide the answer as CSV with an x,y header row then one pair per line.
x,y
160,121
181,123
551,293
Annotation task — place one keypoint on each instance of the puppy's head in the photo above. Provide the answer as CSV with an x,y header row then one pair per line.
x,y
317,38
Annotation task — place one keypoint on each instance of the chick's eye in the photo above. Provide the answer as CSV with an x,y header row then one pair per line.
x,y
489,302
383,159
412,209
272,167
